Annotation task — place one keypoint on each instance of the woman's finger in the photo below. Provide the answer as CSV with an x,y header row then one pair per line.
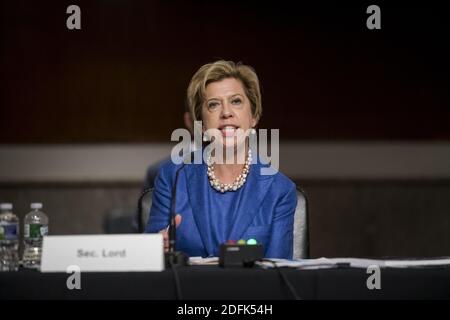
x,y
177,220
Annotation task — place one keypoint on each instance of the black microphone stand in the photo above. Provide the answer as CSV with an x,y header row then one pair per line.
x,y
174,258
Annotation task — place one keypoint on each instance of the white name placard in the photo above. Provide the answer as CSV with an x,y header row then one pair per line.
x,y
103,253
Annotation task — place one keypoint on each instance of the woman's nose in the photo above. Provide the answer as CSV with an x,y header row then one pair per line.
x,y
226,111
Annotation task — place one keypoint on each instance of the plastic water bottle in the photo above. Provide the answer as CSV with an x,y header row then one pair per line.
x,y
9,238
35,228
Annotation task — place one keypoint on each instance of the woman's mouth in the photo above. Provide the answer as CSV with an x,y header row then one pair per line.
x,y
228,131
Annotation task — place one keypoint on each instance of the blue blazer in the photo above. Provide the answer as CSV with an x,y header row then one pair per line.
x,y
265,212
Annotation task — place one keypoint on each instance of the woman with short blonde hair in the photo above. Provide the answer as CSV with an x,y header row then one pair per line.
x,y
221,202
217,71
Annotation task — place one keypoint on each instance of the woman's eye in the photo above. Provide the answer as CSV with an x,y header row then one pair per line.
x,y
213,105
236,101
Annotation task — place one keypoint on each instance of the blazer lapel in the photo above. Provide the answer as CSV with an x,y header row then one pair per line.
x,y
197,190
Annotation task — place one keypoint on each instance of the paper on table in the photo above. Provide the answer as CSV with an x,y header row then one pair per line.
x,y
445,261
199,261
353,263
303,263
321,263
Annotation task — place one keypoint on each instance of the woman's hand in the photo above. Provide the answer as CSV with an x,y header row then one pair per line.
x,y
165,232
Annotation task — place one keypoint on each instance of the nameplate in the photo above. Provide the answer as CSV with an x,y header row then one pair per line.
x,y
103,253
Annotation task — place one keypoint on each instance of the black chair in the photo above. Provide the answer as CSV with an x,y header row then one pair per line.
x,y
301,221
144,206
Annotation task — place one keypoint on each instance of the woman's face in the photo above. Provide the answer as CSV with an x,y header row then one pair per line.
x,y
227,108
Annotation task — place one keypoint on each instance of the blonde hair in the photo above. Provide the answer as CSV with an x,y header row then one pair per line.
x,y
217,71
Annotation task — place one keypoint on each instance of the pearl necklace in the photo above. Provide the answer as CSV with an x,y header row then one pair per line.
x,y
238,182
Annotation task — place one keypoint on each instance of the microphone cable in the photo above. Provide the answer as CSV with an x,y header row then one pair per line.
x,y
284,279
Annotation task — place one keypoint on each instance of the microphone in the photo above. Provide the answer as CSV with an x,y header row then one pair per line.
x,y
174,257
172,224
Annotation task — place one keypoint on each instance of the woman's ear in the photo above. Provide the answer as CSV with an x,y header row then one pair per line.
x,y
254,122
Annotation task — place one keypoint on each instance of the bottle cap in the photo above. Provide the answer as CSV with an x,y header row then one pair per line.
x,y
252,242
6,206
36,206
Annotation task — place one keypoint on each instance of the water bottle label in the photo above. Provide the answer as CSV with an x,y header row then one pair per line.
x,y
44,230
9,231
35,231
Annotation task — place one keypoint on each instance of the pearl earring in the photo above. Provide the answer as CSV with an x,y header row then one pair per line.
x,y
205,137
252,131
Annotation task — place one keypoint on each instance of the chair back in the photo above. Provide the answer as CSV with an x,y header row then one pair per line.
x,y
144,206
301,227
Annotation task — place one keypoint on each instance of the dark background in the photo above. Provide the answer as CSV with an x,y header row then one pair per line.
x,y
123,76
325,78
